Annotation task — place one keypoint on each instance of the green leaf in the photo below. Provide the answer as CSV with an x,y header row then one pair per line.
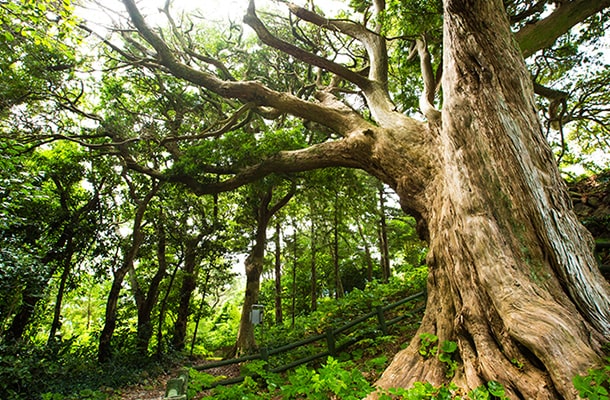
x,y
448,346
496,389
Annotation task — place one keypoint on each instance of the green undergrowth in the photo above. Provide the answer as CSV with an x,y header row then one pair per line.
x,y
63,371
595,385
445,351
335,313
333,380
347,380
69,370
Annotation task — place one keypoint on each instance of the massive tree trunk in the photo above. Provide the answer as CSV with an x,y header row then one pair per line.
x,y
512,276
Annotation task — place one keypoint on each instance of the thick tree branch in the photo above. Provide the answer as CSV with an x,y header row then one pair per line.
x,y
557,106
214,62
349,152
542,34
376,92
549,93
284,200
528,12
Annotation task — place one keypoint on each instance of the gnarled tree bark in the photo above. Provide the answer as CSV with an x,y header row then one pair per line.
x,y
512,277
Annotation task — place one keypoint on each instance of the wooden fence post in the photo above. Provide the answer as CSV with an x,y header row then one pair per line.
x,y
330,342
265,357
381,319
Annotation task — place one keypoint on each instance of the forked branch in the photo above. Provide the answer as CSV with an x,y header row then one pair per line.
x,y
426,100
374,43
266,37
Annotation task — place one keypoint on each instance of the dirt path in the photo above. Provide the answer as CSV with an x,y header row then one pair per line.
x,y
154,388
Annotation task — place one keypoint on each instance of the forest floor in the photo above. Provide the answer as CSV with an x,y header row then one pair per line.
x,y
154,388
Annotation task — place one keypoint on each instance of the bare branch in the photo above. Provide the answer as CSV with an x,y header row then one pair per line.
x,y
226,74
172,24
254,92
374,43
266,37
228,124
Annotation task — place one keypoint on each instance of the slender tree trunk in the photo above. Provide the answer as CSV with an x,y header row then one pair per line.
x,y
245,342
145,308
367,254
30,297
56,323
189,284
89,307
29,300
512,276
32,293
55,257
202,304
279,317
110,318
335,252
314,272
145,302
294,276
104,349
383,238
162,311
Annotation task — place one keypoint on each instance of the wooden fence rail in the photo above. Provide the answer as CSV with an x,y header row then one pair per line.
x,y
333,346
